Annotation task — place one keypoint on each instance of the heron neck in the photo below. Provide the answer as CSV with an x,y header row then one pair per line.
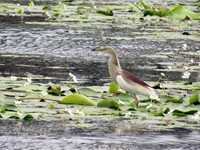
x,y
114,59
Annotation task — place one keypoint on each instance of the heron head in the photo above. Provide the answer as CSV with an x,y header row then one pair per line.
x,y
107,49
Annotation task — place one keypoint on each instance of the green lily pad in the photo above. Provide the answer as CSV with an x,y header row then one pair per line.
x,y
177,12
195,99
28,117
113,87
87,92
9,107
175,100
183,113
155,113
180,13
108,103
78,99
107,12
36,90
124,96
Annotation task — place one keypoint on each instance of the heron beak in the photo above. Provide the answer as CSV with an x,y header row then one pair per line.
x,y
98,49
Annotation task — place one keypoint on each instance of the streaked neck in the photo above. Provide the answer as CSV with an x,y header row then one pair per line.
x,y
114,59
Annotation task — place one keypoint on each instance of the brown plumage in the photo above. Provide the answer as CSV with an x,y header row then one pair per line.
x,y
126,80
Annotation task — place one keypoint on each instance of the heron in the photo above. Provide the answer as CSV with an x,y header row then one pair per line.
x,y
126,80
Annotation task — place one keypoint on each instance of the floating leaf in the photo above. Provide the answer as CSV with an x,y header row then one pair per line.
x,y
124,96
155,113
14,117
175,100
9,107
167,110
28,117
113,87
87,92
73,90
108,103
152,11
20,11
179,12
51,106
184,113
195,99
37,90
47,7
78,99
31,4
80,10
107,12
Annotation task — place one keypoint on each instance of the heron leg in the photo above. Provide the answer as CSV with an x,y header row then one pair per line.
x,y
136,100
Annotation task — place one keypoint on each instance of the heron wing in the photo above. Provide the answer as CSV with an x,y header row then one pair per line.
x,y
129,77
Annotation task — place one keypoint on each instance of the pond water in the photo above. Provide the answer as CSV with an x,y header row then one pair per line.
x,y
53,50
156,142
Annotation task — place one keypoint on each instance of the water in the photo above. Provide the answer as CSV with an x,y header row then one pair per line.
x,y
55,50
144,142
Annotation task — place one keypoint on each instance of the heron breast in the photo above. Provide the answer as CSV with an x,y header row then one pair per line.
x,y
132,88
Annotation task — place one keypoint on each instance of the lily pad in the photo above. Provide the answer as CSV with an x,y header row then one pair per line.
x,y
78,99
87,92
183,113
108,103
180,13
9,107
124,96
28,117
195,99
107,12
175,100
177,12
113,87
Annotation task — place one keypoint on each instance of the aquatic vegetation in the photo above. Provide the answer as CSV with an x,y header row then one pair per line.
x,y
177,12
27,99
15,98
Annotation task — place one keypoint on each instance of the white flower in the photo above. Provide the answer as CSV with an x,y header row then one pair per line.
x,y
128,114
73,77
121,102
19,114
79,112
26,84
185,67
184,47
44,93
149,106
18,102
162,75
69,111
47,14
29,80
192,61
186,75
162,86
169,67
171,111
154,97
13,78
196,116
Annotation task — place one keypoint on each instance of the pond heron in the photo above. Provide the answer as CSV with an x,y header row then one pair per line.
x,y
126,80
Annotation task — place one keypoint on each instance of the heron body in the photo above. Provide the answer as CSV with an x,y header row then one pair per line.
x,y
126,80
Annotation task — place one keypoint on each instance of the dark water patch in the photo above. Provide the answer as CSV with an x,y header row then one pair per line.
x,y
110,142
